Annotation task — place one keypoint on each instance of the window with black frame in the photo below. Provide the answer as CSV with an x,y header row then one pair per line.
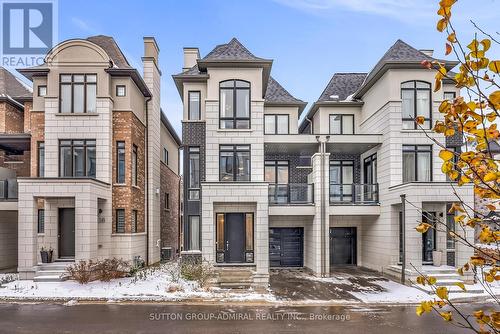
x,y
276,172
77,158
416,101
120,162
341,124
234,104
341,180
234,163
276,124
78,93
194,173
120,221
370,188
41,159
417,163
41,221
194,105
456,157
134,165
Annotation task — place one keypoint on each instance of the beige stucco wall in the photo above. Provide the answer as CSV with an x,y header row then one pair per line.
x,y
292,112
168,142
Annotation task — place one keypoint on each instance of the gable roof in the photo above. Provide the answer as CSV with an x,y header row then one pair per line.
x,y
14,88
277,95
399,55
108,44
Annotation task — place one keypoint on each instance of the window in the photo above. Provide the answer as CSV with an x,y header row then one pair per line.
x,y
456,156
167,201
42,91
41,221
194,105
120,162
193,233
276,172
417,163
416,99
134,165
341,124
165,156
370,164
276,124
77,93
41,158
234,104
77,158
194,173
341,180
450,228
120,221
234,163
121,90
450,96
133,225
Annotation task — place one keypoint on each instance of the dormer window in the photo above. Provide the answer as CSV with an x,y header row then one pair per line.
x,y
234,104
416,98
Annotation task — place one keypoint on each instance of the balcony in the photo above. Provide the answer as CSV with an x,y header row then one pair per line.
x,y
291,194
353,194
8,190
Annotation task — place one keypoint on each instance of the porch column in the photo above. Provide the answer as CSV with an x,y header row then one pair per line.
x,y
261,247
86,239
413,217
27,234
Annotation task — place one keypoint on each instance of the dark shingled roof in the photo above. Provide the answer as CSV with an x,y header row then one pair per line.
x,y
343,85
109,45
11,86
233,50
275,93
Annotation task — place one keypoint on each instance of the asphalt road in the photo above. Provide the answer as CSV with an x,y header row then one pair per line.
x,y
155,318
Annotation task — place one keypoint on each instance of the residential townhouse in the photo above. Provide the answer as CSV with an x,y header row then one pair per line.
x,y
101,160
263,191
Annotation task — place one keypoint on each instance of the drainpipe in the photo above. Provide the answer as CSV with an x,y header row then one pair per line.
x,y
310,126
146,177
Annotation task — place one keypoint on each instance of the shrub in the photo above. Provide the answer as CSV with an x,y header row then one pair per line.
x,y
103,270
195,271
82,271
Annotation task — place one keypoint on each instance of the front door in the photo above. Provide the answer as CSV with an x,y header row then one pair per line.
x,y
428,238
66,233
235,237
286,247
342,246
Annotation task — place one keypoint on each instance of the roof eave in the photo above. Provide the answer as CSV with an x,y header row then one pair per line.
x,y
12,101
134,74
170,128
179,79
314,108
29,73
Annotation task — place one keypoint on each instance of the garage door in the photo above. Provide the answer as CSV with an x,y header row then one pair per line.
x,y
342,246
286,247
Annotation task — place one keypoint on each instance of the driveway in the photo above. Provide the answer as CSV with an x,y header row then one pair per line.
x,y
298,284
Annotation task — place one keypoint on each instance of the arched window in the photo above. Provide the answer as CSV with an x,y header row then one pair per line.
x,y
416,97
234,104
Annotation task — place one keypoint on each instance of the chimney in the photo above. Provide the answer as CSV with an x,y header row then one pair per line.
x,y
190,57
151,49
427,52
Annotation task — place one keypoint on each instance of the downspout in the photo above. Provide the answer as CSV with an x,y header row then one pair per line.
x,y
147,183
310,125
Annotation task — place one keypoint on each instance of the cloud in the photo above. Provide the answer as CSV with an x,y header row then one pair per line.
x,y
83,25
403,10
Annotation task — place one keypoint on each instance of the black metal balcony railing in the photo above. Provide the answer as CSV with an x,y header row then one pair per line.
x,y
353,193
292,193
8,189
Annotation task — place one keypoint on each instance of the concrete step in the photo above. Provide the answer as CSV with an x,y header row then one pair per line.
x,y
235,285
448,282
453,289
48,278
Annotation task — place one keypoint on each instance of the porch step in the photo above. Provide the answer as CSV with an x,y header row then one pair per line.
x,y
234,277
51,272
452,289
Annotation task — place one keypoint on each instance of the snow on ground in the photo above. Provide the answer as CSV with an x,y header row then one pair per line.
x,y
153,286
394,293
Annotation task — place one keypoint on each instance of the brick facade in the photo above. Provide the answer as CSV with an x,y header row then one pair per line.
x,y
11,119
128,128
169,217
37,129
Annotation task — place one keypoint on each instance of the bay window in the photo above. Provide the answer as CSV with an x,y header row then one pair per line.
x,y
417,163
78,93
416,101
234,104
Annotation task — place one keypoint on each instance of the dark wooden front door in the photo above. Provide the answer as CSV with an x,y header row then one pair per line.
x,y
235,237
66,233
342,246
286,247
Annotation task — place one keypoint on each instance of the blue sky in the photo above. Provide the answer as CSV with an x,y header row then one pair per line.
x,y
309,40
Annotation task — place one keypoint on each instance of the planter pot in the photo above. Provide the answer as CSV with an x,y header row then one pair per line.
x,y
45,256
436,258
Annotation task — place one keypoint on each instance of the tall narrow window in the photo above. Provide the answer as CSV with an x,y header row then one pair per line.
x,y
194,173
41,221
276,124
370,164
41,159
134,165
120,162
194,233
450,228
341,124
234,163
194,105
341,180
165,156
77,158
133,224
78,93
234,104
417,163
416,101
120,221
167,201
